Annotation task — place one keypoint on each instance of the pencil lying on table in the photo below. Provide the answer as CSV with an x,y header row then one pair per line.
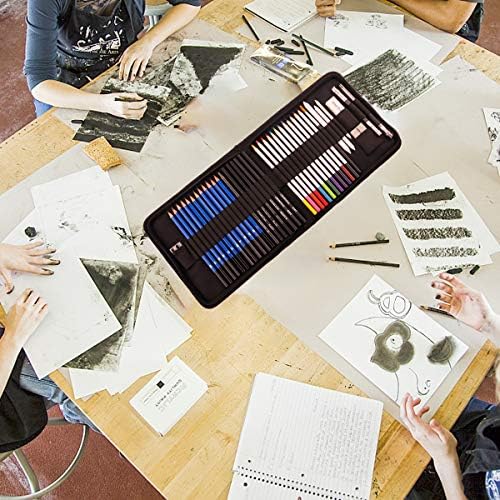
x,y
357,243
361,261
436,310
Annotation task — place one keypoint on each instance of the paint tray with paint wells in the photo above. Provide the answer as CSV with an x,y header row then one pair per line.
x,y
271,188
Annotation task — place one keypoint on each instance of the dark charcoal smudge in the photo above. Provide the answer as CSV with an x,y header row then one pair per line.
x,y
444,194
30,232
439,252
437,233
441,352
430,214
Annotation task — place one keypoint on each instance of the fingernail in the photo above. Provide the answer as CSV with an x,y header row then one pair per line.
x,y
438,297
54,262
48,271
10,291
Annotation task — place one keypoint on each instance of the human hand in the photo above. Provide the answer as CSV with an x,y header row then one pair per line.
x,y
29,258
326,8
134,60
466,304
124,105
24,317
437,441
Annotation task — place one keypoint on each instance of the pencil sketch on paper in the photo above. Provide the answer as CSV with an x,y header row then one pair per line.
x,y
391,80
397,346
340,21
377,21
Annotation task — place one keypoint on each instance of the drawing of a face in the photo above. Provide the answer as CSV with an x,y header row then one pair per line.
x,y
393,347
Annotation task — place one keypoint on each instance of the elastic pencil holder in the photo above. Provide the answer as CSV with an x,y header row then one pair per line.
x,y
271,188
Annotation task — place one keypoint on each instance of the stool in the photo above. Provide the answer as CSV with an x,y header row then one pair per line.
x,y
35,491
154,10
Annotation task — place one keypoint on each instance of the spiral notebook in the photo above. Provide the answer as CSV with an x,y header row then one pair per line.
x,y
302,441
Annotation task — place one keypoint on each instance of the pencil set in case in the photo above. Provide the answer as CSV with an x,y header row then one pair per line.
x,y
263,194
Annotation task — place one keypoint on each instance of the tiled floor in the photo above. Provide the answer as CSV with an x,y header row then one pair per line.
x,y
102,474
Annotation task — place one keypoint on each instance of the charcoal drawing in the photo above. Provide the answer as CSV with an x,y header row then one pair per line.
x,y
117,282
391,80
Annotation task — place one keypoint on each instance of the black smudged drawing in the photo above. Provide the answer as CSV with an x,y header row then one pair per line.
x,y
442,351
377,21
440,233
393,347
430,214
117,282
434,196
391,80
440,252
340,21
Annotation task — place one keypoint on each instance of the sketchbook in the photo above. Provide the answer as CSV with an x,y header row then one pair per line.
x,y
303,441
285,15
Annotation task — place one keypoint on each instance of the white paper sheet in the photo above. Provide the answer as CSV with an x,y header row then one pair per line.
x,y
368,34
283,14
492,118
101,214
312,441
84,182
158,331
389,340
78,318
165,399
438,235
86,382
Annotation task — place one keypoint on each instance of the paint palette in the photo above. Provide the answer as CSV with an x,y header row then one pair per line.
x,y
271,188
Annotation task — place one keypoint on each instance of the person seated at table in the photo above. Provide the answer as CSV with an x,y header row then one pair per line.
x,y
467,459
462,17
24,398
70,42
326,8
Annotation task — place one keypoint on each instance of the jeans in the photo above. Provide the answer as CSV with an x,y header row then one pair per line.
x,y
53,395
41,107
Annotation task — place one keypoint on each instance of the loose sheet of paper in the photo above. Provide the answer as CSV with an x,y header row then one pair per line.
x,y
393,79
492,117
165,399
394,344
368,34
100,215
298,434
78,318
283,14
437,227
158,331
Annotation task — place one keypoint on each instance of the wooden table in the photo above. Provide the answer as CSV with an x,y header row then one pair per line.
x,y
230,344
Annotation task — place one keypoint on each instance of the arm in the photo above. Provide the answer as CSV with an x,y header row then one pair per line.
x,y
137,56
40,67
447,15
23,319
439,443
467,305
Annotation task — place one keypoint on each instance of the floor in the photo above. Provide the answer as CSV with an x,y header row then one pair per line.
x,y
103,473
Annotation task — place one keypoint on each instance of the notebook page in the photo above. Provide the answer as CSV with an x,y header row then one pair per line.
x,y
307,437
284,14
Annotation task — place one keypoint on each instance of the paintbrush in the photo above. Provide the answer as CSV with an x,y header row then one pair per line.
x,y
357,243
436,310
360,261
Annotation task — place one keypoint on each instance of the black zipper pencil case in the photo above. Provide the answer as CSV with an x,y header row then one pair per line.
x,y
271,188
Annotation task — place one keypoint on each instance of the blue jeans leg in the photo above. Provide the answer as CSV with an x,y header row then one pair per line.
x,y
40,107
53,395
